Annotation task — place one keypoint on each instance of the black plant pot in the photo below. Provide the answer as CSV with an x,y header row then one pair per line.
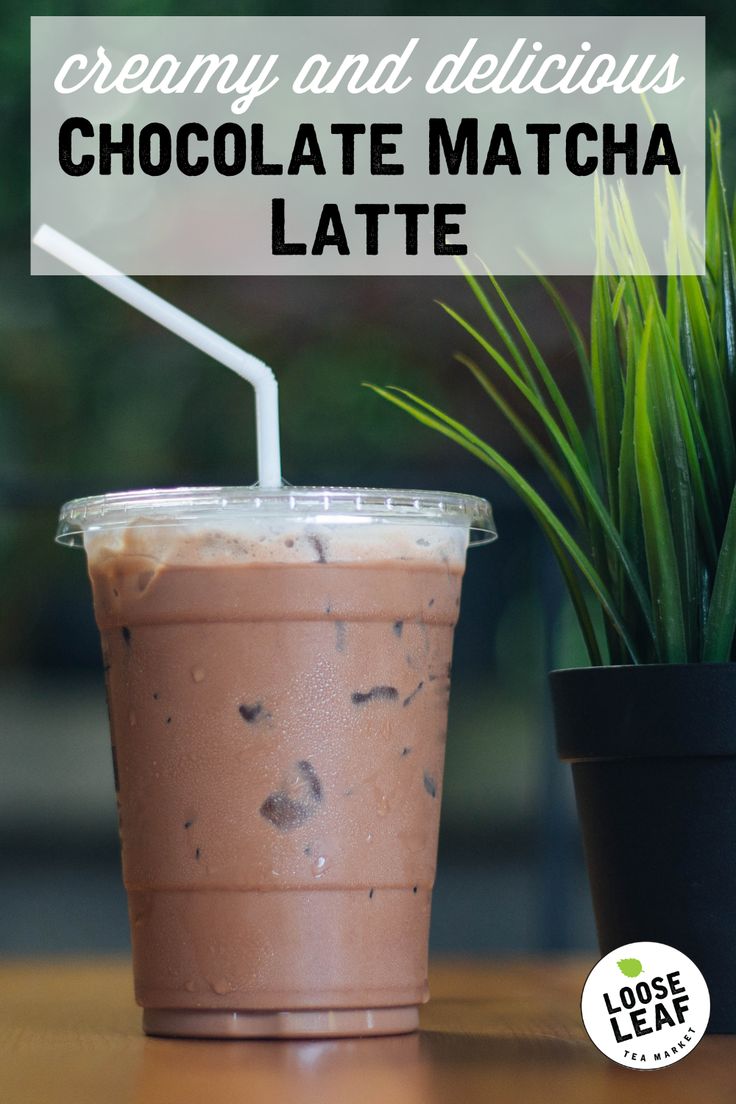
x,y
653,754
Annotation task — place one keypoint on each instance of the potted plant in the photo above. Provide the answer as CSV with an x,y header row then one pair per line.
x,y
642,521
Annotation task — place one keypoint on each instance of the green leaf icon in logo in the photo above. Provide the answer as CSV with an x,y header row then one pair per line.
x,y
630,967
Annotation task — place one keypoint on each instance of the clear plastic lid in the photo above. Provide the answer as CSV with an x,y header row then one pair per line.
x,y
315,505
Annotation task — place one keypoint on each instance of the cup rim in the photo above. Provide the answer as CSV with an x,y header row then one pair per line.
x,y
329,505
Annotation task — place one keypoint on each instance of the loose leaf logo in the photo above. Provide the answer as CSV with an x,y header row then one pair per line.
x,y
630,967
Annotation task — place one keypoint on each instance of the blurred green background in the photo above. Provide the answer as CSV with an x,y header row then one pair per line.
x,y
94,398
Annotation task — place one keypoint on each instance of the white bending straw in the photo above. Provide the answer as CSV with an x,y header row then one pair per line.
x,y
244,364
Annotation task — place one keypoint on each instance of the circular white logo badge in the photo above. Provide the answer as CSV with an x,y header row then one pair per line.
x,y
645,1005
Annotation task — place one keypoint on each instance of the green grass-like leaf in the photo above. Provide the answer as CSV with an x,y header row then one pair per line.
x,y
720,623
641,515
658,536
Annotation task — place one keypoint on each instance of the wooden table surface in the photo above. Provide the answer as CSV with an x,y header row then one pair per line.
x,y
493,1032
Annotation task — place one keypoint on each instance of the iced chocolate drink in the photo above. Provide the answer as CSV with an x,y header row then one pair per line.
x,y
278,678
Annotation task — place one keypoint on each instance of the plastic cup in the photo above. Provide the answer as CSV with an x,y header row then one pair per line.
x,y
278,669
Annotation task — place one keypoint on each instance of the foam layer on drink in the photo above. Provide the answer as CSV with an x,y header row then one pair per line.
x,y
281,541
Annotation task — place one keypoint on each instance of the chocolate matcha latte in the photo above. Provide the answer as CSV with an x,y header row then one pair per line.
x,y
278,683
